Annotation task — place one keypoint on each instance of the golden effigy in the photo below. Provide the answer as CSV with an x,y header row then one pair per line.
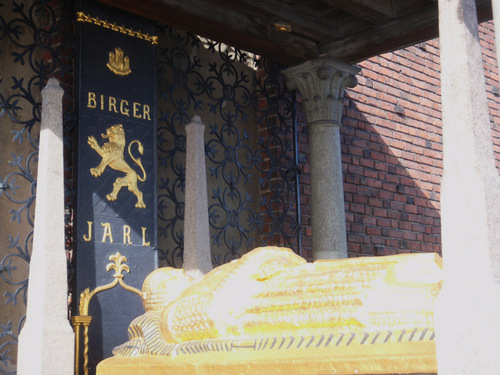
x,y
271,312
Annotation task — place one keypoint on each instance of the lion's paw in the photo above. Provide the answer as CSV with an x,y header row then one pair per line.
x,y
111,197
95,172
93,142
140,205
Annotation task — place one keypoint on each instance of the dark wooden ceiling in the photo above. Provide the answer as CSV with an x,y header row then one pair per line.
x,y
348,30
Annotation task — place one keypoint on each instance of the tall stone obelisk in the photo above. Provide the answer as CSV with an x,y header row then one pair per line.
x,y
197,257
46,342
468,310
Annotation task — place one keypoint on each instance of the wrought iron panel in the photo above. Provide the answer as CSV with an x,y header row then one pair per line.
x,y
30,52
250,146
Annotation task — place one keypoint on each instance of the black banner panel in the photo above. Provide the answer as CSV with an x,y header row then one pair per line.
x,y
116,191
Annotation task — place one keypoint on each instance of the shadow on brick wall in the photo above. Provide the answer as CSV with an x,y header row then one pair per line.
x,y
391,173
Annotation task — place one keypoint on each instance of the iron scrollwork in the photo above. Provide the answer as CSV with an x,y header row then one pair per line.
x,y
249,146
254,194
30,49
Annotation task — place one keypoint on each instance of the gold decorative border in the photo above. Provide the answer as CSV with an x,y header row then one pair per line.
x,y
84,320
82,17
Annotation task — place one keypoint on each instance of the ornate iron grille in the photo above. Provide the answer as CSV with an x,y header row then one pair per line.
x,y
250,146
31,51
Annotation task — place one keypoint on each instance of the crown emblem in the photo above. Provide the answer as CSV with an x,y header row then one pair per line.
x,y
119,63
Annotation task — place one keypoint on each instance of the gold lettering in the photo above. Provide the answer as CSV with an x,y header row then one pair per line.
x,y
91,102
112,104
107,233
88,237
126,235
124,108
145,112
118,105
136,110
144,243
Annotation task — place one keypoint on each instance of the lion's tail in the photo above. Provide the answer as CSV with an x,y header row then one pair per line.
x,y
138,160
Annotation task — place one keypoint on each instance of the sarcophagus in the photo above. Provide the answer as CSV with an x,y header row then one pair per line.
x,y
271,312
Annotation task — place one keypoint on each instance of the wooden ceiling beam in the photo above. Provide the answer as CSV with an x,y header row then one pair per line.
x,y
304,23
349,30
222,24
372,11
405,7
385,37
396,34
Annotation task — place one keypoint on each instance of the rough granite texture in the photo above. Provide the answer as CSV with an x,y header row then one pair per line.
x,y
468,309
197,260
322,83
46,343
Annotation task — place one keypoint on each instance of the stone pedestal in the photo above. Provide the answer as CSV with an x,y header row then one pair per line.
x,y
46,342
197,256
322,83
468,309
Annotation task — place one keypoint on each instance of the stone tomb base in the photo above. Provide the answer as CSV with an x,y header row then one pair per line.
x,y
355,352
272,313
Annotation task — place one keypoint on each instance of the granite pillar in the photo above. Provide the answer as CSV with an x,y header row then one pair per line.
x,y
468,309
322,83
197,256
46,342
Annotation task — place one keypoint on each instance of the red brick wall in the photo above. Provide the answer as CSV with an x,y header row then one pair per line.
x,y
492,86
392,149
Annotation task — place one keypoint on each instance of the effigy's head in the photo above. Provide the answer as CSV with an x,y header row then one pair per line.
x,y
163,286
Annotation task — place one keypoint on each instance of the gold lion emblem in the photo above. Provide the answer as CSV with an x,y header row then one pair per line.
x,y
112,156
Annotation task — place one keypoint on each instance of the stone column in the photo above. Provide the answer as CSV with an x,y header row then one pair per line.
x,y
322,83
197,256
468,309
46,342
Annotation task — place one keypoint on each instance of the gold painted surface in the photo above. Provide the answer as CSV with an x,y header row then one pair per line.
x,y
119,63
272,312
164,285
112,156
389,359
119,266
84,320
82,17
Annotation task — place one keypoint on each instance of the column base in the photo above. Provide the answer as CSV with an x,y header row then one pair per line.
x,y
466,326
329,254
48,350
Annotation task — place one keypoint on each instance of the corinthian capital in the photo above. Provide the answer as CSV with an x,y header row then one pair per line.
x,y
322,83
